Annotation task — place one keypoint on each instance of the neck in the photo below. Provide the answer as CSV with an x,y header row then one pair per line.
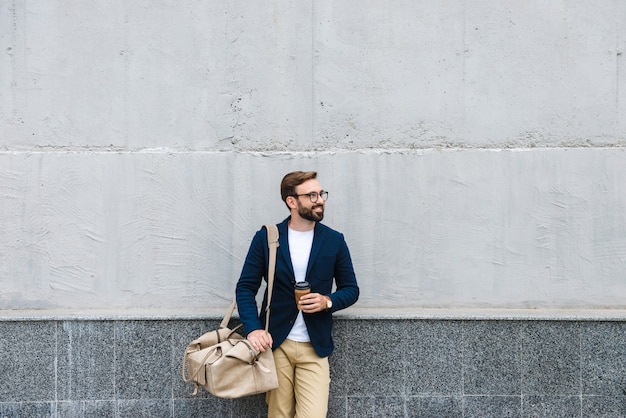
x,y
300,224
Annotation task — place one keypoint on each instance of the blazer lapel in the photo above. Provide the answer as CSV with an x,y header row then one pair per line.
x,y
318,239
283,247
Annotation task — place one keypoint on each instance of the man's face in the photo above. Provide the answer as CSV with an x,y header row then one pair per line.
x,y
312,211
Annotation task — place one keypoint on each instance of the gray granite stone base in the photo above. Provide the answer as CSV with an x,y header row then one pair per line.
x,y
380,368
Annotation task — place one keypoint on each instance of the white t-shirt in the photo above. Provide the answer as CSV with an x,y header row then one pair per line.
x,y
300,244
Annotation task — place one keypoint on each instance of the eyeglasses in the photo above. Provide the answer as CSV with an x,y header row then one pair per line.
x,y
314,196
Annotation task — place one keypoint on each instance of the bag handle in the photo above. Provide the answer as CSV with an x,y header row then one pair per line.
x,y
272,242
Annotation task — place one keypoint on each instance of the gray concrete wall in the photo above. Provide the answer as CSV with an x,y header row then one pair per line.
x,y
474,151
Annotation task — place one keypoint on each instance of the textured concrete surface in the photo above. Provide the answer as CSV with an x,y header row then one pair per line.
x,y
426,228
474,151
312,75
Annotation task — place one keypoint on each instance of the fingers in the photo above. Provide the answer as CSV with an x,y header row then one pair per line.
x,y
312,302
260,340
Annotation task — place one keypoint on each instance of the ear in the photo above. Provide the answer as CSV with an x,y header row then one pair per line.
x,y
291,202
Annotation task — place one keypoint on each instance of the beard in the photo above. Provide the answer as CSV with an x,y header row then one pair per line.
x,y
309,214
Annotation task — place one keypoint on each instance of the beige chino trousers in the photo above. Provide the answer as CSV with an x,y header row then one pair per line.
x,y
303,382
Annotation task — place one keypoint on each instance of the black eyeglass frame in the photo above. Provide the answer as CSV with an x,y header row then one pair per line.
x,y
323,195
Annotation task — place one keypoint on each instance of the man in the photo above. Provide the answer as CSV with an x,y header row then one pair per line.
x,y
301,339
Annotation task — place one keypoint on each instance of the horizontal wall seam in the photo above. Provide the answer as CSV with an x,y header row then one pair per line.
x,y
299,152
349,314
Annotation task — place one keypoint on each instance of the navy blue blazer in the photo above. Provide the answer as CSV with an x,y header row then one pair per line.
x,y
330,258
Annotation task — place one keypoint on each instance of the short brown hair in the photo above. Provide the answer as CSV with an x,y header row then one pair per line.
x,y
293,179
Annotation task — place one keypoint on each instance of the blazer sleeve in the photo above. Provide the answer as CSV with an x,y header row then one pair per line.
x,y
250,280
347,289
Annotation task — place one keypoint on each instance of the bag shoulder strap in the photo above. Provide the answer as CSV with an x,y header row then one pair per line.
x,y
272,242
